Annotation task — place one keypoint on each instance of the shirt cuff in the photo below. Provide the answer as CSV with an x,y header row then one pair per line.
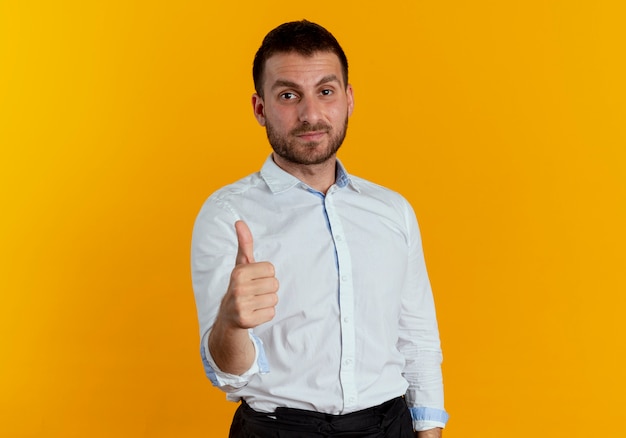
x,y
233,382
428,418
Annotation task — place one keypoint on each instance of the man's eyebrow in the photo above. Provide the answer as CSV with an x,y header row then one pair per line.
x,y
328,78
284,83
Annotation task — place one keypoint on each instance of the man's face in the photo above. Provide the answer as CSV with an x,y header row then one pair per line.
x,y
305,107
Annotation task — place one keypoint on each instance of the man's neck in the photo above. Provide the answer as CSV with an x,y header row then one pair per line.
x,y
317,176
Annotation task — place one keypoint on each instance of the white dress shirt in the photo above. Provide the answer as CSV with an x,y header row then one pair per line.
x,y
355,323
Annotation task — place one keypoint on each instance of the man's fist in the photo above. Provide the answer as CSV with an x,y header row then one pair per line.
x,y
252,293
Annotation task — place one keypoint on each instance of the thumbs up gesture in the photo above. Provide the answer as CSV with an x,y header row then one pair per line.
x,y
249,301
251,294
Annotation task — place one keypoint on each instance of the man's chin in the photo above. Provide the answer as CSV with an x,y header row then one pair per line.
x,y
306,159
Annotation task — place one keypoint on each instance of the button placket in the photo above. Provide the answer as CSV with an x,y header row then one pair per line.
x,y
346,306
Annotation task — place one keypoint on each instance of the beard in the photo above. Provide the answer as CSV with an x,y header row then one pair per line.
x,y
290,149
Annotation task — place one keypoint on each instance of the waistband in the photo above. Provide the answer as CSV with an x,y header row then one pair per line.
x,y
359,420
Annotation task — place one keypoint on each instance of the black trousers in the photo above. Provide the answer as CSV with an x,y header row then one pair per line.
x,y
388,420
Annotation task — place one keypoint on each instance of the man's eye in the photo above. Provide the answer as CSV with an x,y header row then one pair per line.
x,y
327,92
288,96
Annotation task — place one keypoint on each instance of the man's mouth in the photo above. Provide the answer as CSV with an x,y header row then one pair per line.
x,y
311,135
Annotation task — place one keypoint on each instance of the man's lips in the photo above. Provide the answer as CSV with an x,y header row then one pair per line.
x,y
311,135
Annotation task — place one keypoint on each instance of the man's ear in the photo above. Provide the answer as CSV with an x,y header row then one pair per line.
x,y
350,95
258,106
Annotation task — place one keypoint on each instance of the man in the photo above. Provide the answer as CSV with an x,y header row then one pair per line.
x,y
314,303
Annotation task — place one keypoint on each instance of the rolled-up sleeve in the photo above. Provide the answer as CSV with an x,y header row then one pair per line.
x,y
232,382
419,338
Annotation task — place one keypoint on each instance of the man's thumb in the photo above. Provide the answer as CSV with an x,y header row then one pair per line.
x,y
245,249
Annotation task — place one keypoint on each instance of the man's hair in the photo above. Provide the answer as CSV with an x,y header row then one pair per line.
x,y
302,37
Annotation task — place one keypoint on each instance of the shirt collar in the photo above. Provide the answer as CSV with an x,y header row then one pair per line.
x,y
279,181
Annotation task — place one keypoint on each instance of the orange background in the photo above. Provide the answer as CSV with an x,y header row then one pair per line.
x,y
502,122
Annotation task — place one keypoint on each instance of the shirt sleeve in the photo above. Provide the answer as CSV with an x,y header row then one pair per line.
x,y
419,338
233,382
213,253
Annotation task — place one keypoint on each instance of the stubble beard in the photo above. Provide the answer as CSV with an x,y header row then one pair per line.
x,y
288,148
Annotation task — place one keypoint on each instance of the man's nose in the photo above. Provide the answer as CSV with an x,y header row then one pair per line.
x,y
309,111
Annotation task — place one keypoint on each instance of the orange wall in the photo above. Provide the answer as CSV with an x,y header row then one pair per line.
x,y
502,122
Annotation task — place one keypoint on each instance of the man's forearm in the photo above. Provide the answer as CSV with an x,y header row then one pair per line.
x,y
431,433
231,349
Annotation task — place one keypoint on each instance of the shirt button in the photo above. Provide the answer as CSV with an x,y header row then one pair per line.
x,y
351,400
344,278
346,320
338,238
347,362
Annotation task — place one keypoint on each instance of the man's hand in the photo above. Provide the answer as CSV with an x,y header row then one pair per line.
x,y
249,301
251,295
431,433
